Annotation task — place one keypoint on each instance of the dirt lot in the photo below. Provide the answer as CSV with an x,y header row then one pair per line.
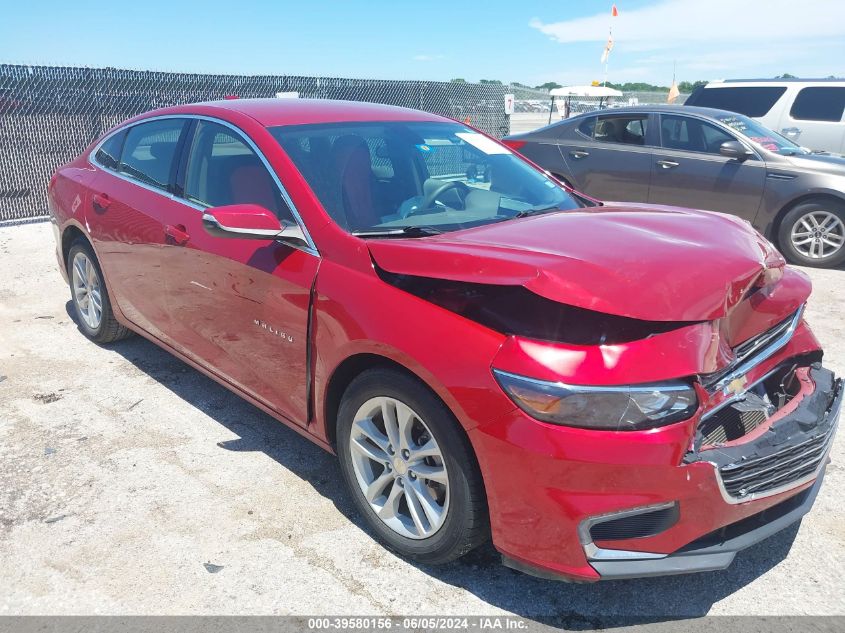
x,y
131,484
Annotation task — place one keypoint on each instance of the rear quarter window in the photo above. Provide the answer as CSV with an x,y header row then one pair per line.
x,y
820,103
754,101
109,153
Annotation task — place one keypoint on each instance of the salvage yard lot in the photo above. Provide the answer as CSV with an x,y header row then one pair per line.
x,y
130,483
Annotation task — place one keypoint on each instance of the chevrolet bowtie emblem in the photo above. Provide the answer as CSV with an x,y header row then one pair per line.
x,y
736,386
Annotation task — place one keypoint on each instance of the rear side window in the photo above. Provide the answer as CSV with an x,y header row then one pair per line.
x,y
747,100
630,130
109,153
819,104
150,149
224,170
587,126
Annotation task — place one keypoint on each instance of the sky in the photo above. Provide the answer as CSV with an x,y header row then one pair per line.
x,y
527,41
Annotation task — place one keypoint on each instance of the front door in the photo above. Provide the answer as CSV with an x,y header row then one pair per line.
x,y
689,171
239,307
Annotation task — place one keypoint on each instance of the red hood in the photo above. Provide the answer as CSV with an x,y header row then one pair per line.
x,y
649,263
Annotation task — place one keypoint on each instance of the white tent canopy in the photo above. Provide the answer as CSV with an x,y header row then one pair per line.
x,y
567,92
585,91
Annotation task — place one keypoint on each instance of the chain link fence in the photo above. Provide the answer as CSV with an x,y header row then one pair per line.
x,y
532,108
49,114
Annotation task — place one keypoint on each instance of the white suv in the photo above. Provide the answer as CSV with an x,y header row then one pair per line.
x,y
807,111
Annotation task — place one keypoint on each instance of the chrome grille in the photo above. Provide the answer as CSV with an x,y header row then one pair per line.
x,y
754,351
784,467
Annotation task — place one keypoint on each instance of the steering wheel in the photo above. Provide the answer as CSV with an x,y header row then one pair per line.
x,y
431,196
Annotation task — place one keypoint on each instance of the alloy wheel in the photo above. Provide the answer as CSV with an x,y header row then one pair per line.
x,y
818,235
399,467
87,290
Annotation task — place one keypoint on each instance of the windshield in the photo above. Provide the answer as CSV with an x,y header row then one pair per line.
x,y
416,177
760,135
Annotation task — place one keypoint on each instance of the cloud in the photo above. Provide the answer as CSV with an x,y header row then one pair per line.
x,y
426,58
716,37
670,22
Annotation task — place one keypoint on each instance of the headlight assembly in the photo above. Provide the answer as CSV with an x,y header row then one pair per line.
x,y
622,408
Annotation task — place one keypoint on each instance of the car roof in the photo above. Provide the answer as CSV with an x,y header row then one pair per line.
x,y
790,80
273,112
668,108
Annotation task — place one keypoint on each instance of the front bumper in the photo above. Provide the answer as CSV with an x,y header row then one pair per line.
x,y
551,480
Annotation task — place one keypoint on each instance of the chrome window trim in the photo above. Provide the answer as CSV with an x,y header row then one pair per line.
x,y
311,248
595,553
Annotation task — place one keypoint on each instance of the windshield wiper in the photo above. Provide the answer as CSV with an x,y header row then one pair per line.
x,y
404,231
538,211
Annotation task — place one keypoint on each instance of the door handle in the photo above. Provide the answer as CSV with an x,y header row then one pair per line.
x,y
101,201
791,132
667,164
177,234
579,153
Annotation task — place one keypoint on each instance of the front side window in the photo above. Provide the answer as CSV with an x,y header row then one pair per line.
x,y
150,149
223,170
820,103
630,130
378,176
691,135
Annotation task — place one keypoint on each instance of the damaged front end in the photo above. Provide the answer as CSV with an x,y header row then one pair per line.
x,y
773,436
670,397
749,384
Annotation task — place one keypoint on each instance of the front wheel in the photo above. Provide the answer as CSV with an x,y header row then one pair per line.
x,y
409,468
813,234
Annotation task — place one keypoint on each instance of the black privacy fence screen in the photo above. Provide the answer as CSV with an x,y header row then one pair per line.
x,y
49,114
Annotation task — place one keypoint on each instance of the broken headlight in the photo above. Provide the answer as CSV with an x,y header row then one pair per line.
x,y
623,408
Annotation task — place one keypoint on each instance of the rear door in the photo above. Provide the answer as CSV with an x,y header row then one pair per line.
x,y
609,156
815,119
689,171
238,307
131,199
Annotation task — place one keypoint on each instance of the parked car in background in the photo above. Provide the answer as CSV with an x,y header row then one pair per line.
x,y
607,391
705,159
807,111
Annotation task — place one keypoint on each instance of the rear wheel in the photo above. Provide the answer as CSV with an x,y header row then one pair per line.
x,y
90,297
410,470
813,234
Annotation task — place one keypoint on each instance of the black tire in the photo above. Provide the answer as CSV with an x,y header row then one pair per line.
x,y
108,330
467,521
794,217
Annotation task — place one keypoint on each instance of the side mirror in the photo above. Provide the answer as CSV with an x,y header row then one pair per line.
x,y
250,222
735,149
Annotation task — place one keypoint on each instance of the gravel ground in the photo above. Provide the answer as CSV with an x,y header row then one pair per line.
x,y
131,484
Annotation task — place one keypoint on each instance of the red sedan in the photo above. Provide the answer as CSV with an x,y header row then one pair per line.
x,y
606,390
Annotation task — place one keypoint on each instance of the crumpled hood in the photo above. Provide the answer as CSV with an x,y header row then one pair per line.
x,y
638,261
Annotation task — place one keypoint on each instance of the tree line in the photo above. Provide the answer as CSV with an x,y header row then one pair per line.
x,y
630,86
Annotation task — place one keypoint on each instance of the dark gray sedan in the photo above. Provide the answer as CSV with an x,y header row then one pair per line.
x,y
706,159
